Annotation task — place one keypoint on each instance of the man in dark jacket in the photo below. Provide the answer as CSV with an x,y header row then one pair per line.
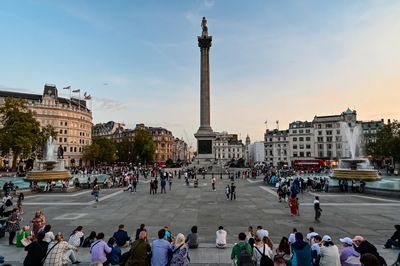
x,y
362,246
121,236
36,251
395,239
301,251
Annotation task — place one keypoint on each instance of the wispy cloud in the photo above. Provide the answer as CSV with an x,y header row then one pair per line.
x,y
109,104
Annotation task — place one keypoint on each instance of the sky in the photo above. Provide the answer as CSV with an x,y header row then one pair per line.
x,y
270,60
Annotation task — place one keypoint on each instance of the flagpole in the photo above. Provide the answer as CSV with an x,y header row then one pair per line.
x,y
70,98
79,100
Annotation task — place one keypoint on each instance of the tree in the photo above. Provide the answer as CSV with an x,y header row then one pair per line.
x,y
101,150
143,146
387,142
20,134
125,151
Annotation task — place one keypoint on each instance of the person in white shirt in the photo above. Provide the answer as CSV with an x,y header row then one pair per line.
x,y
292,237
310,235
261,248
76,237
48,235
220,241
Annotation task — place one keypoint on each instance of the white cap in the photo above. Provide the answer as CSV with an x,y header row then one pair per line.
x,y
346,240
326,238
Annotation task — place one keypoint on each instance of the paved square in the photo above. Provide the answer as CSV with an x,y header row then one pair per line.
x,y
182,207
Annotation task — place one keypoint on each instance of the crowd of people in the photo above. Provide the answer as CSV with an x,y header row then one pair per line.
x,y
253,247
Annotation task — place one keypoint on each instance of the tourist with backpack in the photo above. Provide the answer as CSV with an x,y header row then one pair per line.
x,y
262,253
242,252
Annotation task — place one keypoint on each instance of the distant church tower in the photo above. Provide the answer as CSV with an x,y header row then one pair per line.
x,y
247,150
248,140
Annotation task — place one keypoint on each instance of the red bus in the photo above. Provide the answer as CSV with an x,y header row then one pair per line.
x,y
308,164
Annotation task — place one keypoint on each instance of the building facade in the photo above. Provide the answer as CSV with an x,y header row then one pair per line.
x,y
71,119
277,150
227,147
256,153
330,139
324,138
301,139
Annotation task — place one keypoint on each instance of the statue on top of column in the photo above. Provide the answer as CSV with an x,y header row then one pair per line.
x,y
204,27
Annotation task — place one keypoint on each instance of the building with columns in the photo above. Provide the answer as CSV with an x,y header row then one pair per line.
x,y
71,119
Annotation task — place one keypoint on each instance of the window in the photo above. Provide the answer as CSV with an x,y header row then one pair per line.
x,y
319,132
329,139
301,154
329,132
338,139
65,139
294,139
329,146
308,146
301,131
301,146
70,149
65,131
328,125
320,139
338,132
308,154
319,126
294,147
308,131
294,131
321,146
308,138
66,123
294,154
65,149
60,140
301,139
61,131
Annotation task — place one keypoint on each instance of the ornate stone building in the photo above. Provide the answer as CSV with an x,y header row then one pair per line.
x,y
71,118
227,147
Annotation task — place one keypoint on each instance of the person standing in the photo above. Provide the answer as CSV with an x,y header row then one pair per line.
x,y
13,225
170,182
233,191
293,205
96,192
39,221
134,184
227,191
317,209
213,181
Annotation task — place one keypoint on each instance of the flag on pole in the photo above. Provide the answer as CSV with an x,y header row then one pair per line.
x,y
67,88
76,91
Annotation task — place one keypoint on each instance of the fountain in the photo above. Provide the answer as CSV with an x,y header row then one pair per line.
x,y
354,168
50,169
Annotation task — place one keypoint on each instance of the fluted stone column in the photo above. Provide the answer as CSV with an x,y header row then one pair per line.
x,y
205,135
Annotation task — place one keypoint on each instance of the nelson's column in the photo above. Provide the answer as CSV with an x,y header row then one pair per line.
x,y
205,135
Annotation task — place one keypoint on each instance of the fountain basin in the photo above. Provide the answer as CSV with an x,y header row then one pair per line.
x,y
47,175
359,174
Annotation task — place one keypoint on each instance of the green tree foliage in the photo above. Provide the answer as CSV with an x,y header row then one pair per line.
x,y
101,150
20,133
143,146
387,142
125,151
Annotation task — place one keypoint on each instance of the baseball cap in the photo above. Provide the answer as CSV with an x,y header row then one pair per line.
x,y
346,240
326,238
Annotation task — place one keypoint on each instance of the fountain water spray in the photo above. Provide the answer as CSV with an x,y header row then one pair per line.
x,y
353,137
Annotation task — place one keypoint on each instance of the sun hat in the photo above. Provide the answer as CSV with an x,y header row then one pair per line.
x,y
346,240
326,238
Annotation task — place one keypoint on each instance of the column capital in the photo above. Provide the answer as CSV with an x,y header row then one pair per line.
x,y
204,41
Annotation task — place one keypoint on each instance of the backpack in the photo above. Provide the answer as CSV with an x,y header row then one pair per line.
x,y
265,260
244,257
